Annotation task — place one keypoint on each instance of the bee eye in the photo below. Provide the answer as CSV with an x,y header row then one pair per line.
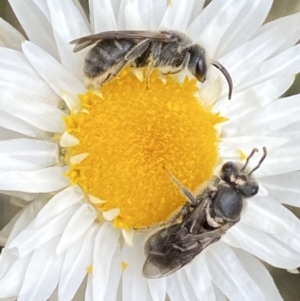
x,y
255,190
201,70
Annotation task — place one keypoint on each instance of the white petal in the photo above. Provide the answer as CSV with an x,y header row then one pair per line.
x,y
81,220
269,119
292,136
35,25
32,238
67,140
78,257
18,75
179,288
245,59
248,100
42,274
20,84
15,61
199,277
68,24
177,15
70,100
261,275
12,282
151,12
231,147
197,9
206,16
95,200
121,15
43,7
284,63
289,161
7,163
133,19
81,10
35,153
78,158
265,247
43,180
102,14
128,236
53,297
230,276
57,77
218,26
294,271
27,216
158,289
133,284
111,214
249,19
9,36
291,36
89,289
59,203
7,229
37,113
6,134
106,242
295,126
269,216
219,295
114,277
15,124
284,188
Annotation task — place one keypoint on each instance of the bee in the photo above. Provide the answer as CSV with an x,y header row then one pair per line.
x,y
171,51
205,218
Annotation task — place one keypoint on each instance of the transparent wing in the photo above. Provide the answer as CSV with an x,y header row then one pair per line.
x,y
125,34
178,254
152,270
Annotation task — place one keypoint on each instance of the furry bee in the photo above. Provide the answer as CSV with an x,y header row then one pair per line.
x,y
205,218
171,51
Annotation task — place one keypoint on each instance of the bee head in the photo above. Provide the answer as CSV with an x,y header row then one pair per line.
x,y
241,178
197,62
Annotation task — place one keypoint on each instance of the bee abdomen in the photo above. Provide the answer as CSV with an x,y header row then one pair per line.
x,y
105,55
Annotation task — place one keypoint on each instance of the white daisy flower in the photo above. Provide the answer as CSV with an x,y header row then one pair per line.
x,y
89,161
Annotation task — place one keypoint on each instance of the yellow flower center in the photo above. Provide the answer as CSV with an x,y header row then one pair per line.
x,y
132,134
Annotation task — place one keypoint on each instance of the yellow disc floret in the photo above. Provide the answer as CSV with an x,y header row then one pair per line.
x,y
132,132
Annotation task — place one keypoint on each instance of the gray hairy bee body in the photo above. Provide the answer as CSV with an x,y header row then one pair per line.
x,y
205,218
171,51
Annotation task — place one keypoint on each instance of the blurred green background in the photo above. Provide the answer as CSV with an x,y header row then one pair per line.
x,y
288,284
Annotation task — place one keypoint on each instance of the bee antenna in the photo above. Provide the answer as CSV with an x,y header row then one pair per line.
x,y
226,75
186,192
260,161
249,157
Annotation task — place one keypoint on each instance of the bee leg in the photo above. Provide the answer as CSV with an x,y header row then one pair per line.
x,y
114,72
210,236
182,66
185,191
185,61
184,211
153,58
138,50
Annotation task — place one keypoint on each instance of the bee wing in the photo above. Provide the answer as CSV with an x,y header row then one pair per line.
x,y
153,271
125,34
179,253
